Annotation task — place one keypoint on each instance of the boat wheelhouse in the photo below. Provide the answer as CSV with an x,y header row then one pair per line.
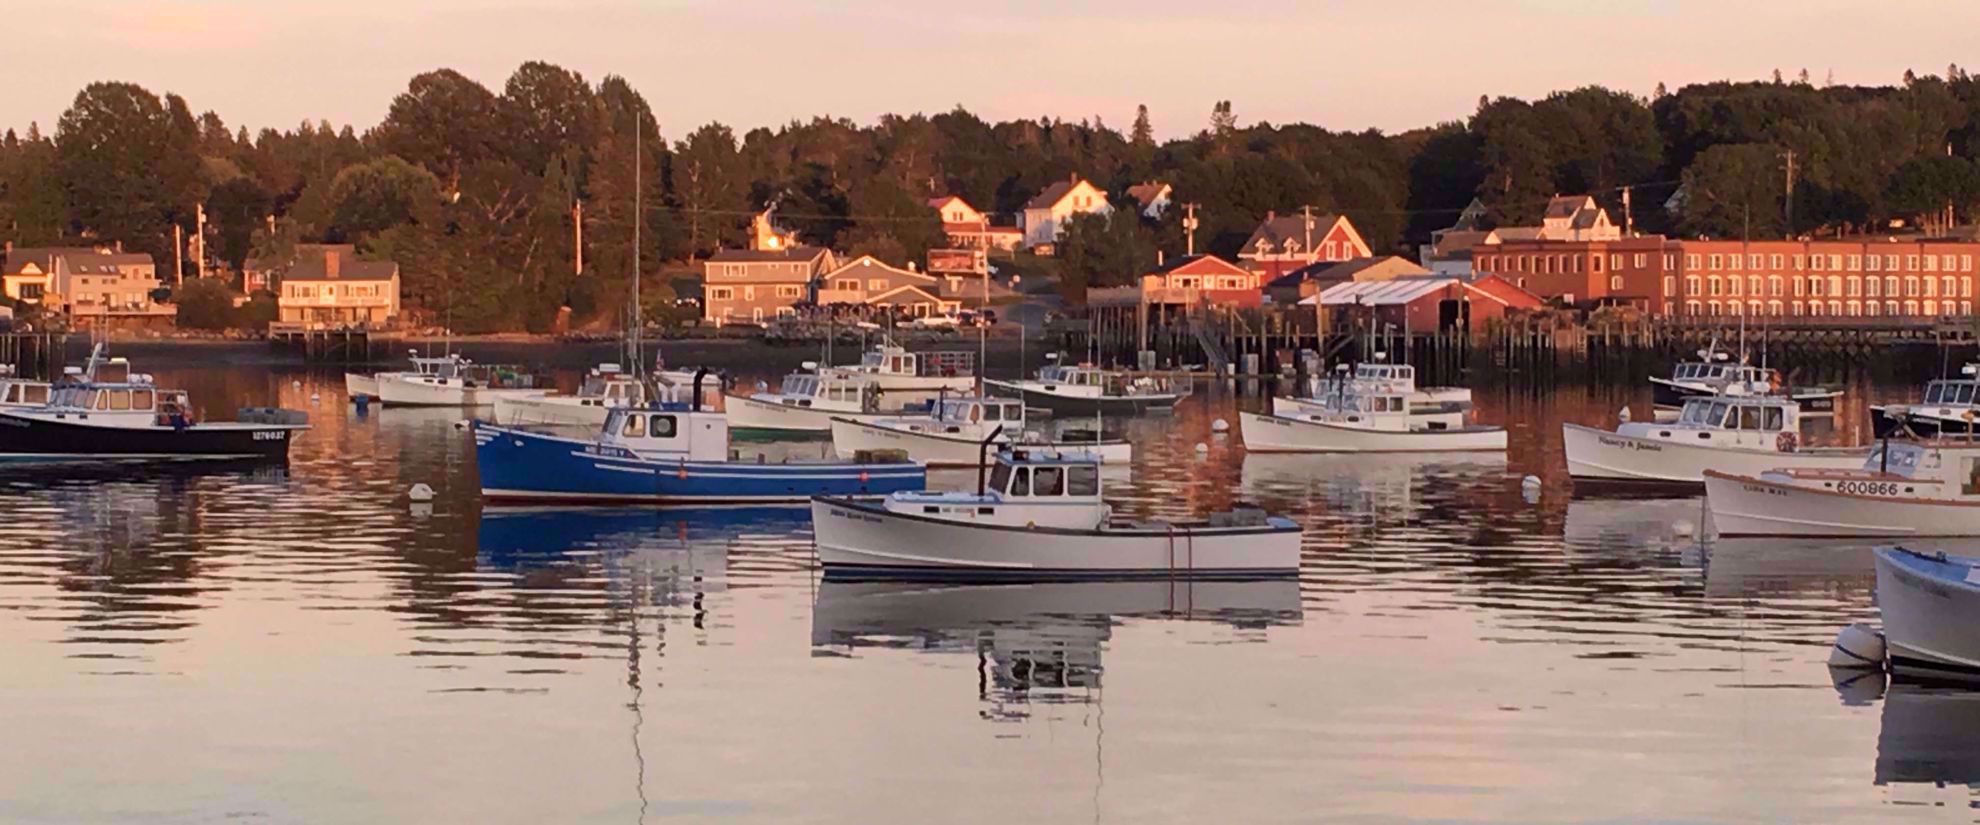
x,y
1041,514
1734,434
909,378
359,385
806,402
1947,406
954,433
1717,374
16,391
606,387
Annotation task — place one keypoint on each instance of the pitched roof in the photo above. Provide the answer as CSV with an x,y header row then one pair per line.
x,y
1215,262
1277,229
868,262
758,256
1051,195
1565,206
348,269
1521,233
302,250
1146,193
890,295
81,259
1458,242
1384,293
1331,270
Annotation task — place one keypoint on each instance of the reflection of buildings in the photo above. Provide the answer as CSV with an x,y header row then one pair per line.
x,y
1930,735
1382,488
1033,642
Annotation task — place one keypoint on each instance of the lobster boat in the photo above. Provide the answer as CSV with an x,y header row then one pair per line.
x,y
1731,434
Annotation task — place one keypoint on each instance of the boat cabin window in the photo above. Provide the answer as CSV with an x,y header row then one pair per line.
x,y
1776,418
141,399
1749,417
661,426
635,427
35,394
1083,480
1013,412
1048,481
13,394
1021,482
988,412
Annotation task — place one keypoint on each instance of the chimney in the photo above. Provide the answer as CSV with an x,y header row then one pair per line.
x,y
331,261
1072,178
1270,215
120,247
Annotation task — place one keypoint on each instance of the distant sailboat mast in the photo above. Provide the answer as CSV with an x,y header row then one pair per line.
x,y
639,201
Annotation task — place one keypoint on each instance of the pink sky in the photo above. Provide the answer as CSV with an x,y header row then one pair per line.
x,y
1338,63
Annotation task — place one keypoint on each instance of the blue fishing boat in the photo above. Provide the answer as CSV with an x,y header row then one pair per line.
x,y
666,453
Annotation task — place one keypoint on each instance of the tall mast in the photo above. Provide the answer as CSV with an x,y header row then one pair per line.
x,y
639,216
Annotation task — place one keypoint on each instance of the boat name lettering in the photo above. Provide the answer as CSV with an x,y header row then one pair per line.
x,y
1627,444
270,435
1868,488
854,516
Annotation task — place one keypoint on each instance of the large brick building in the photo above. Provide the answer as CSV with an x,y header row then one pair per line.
x,y
1848,278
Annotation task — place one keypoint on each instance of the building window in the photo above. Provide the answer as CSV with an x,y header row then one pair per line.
x,y
1966,263
1911,289
1595,264
846,284
1753,261
1815,286
1797,263
1855,309
1775,286
1642,260
1814,307
1670,285
1948,287
1798,309
1774,262
1713,308
722,293
1815,262
1910,265
1931,264
788,291
1733,285
1718,261
1891,287
1870,308
1966,307
1615,283
1754,282
1691,261
1890,263
1872,263
1855,262
876,284
1911,307
1856,285
1670,260
1890,307
1966,288
1692,307
1835,262
1714,283
749,293
1691,286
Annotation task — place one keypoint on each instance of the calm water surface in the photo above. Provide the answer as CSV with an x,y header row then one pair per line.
x,y
301,644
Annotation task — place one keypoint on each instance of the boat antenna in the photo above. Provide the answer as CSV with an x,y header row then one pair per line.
x,y
983,457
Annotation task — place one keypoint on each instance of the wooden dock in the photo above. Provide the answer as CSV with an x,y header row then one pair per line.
x,y
322,344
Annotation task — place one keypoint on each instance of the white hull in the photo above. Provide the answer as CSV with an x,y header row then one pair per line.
x,y
1750,506
356,385
902,390
870,539
1601,455
416,391
1268,433
846,611
1931,613
849,436
746,413
556,410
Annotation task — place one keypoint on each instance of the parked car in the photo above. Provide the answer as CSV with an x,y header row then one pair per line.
x,y
978,317
936,322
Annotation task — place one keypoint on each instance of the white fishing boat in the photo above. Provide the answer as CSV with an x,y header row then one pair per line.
x,y
1732,434
1931,609
910,378
361,385
955,434
1324,394
606,388
1089,390
1040,515
1716,374
807,401
1357,419
1903,488
455,382
1948,406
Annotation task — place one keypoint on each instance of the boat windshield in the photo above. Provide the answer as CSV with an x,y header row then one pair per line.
x,y
1949,392
1703,413
1902,459
800,385
1000,477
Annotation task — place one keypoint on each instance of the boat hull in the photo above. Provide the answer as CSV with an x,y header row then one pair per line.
x,y
555,410
360,386
1073,405
1751,506
1606,457
747,413
851,436
1278,434
1931,611
517,465
37,438
867,541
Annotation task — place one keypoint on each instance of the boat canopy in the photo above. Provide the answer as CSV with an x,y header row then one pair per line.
x,y
1032,474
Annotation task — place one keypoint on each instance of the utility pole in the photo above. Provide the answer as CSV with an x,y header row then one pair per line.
x,y
199,241
577,237
1189,224
178,253
1629,220
1306,220
1787,204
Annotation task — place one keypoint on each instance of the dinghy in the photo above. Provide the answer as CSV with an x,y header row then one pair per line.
x,y
1040,515
1733,434
1931,609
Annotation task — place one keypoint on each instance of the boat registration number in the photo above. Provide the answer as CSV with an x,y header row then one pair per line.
x,y
1868,488
270,435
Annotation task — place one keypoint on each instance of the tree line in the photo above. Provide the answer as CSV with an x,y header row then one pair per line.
x,y
472,190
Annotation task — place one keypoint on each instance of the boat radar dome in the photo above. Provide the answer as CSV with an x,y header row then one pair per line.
x,y
1970,369
72,370
810,365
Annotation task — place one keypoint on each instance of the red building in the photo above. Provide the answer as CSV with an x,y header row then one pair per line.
x,y
1432,303
1849,278
1202,279
1282,244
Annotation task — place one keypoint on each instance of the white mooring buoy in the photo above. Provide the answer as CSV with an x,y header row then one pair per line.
x,y
1858,646
1220,426
315,396
296,384
1202,448
420,492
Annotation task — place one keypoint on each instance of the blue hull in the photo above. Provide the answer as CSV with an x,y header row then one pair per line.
x,y
518,465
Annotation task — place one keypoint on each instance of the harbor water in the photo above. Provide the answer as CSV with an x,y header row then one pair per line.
x,y
302,644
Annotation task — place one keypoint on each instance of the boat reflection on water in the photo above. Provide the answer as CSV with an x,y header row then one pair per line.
x,y
1034,642
1930,736
1652,526
1382,486
674,544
